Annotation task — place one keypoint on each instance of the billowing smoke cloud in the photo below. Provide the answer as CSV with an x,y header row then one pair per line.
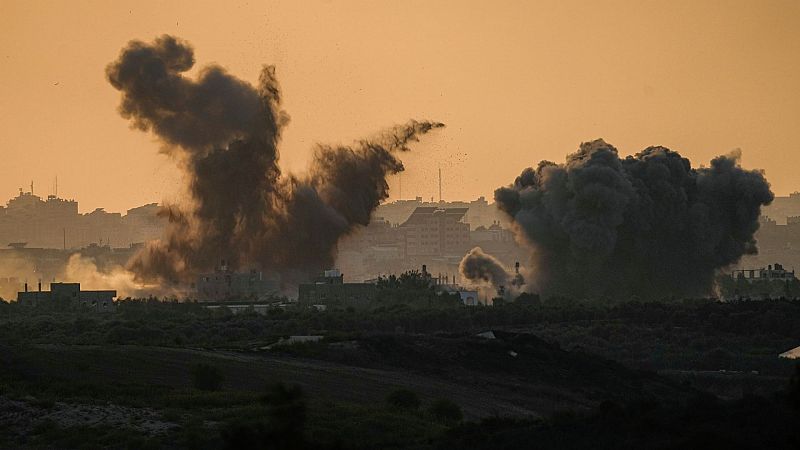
x,y
481,269
648,225
84,270
225,133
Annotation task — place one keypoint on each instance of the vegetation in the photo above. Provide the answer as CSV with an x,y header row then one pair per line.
x,y
415,289
445,410
742,288
702,422
403,399
693,373
206,377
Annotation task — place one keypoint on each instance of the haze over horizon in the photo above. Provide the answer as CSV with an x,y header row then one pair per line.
x,y
530,82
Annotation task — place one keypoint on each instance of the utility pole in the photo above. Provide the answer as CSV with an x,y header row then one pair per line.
x,y
440,184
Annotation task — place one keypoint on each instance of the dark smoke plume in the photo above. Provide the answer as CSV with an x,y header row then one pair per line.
x,y
482,268
648,225
224,132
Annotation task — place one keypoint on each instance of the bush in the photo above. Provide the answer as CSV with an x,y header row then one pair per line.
x,y
282,427
403,399
445,410
286,409
206,377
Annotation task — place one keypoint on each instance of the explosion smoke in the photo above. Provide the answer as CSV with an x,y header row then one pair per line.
x,y
479,267
648,225
225,133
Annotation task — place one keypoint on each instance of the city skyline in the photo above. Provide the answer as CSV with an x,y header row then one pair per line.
x,y
700,78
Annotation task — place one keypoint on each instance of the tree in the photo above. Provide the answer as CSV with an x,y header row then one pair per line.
x,y
445,410
286,410
206,377
403,399
282,426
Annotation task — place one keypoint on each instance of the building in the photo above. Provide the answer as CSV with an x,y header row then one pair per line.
x,y
770,273
143,223
53,222
499,242
783,207
469,298
68,294
373,249
479,211
435,232
330,290
224,285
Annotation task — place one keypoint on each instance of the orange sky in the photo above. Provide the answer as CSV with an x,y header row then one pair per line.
x,y
516,82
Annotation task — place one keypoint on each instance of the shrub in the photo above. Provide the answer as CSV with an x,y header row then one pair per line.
x,y
403,399
282,427
286,409
445,410
206,377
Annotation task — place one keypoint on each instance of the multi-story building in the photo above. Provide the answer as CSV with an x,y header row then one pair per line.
x,y
227,285
143,223
371,250
56,223
479,212
499,242
436,232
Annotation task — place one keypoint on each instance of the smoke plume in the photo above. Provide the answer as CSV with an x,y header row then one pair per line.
x,y
225,132
84,270
481,268
648,225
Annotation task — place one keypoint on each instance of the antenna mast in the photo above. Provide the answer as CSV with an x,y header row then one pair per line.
x,y
440,184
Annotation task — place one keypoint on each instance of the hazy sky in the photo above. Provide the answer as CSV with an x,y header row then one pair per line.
x,y
516,82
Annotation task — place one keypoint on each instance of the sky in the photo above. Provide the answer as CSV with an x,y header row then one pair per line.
x,y
516,82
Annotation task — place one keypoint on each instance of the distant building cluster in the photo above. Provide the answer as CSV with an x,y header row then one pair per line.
x,y
405,234
28,220
770,273
329,290
69,295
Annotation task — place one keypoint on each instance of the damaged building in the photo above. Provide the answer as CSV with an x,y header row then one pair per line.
x,y
68,294
225,285
330,290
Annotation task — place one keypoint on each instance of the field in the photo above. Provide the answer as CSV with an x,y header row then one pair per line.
x,y
73,379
